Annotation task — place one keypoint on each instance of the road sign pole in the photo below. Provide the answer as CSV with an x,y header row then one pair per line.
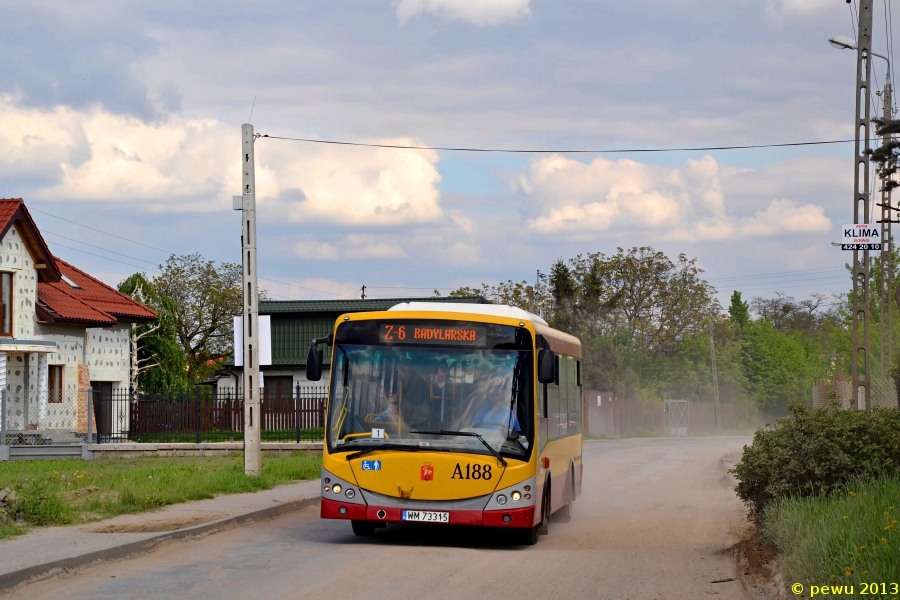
x,y
860,367
252,416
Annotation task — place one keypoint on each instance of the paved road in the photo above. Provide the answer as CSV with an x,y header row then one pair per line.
x,y
655,521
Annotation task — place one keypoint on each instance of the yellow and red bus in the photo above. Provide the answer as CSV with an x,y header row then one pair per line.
x,y
450,413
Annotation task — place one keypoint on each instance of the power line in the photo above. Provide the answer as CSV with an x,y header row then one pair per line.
x,y
99,230
550,151
44,231
776,285
777,274
106,257
154,248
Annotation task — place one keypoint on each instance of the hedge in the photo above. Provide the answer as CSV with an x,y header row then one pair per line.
x,y
813,452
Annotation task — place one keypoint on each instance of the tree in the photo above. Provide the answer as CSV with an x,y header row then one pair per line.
x,y
205,296
787,314
562,284
779,367
739,311
157,361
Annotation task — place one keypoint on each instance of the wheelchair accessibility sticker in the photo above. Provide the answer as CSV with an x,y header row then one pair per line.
x,y
371,465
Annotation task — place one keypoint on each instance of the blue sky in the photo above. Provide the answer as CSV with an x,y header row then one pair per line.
x,y
125,117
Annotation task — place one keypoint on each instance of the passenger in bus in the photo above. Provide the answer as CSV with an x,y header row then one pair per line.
x,y
414,404
497,414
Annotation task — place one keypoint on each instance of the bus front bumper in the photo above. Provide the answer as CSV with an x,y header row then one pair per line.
x,y
507,517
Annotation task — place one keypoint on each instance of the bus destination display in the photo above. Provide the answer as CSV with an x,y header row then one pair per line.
x,y
406,333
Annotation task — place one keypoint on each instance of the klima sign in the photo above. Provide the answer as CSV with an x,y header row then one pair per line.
x,y
860,237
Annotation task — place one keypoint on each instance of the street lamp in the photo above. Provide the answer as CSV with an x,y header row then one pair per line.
x,y
842,42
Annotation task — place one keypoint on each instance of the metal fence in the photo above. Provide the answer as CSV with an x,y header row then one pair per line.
x,y
207,416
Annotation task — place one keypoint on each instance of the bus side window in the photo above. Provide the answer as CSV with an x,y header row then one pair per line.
x,y
574,396
563,414
579,405
542,401
553,411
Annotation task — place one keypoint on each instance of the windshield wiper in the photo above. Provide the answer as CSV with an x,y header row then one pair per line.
x,y
388,446
467,434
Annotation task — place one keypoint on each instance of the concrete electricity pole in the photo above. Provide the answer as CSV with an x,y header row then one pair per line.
x,y
886,281
252,416
715,376
860,366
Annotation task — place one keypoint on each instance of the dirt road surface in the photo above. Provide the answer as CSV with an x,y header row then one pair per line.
x,y
655,521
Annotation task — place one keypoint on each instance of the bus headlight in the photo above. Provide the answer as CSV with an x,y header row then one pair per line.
x,y
349,494
516,496
336,488
501,499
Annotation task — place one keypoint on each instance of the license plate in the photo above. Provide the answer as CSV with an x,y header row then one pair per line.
x,y
426,516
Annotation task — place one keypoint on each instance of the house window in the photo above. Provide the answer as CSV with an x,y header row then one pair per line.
x,y
6,321
55,387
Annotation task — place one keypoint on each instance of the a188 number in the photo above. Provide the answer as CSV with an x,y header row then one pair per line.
x,y
472,472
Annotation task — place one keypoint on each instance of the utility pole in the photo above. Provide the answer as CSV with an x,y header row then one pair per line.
x,y
886,280
252,416
363,292
860,367
715,376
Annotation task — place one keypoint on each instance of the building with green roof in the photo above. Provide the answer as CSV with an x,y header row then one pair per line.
x,y
295,323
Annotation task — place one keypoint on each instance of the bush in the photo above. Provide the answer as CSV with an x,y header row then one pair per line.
x,y
817,451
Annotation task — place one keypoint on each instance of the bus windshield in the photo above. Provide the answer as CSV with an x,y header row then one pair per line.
x,y
386,394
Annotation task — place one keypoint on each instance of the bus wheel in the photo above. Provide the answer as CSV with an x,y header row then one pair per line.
x,y
543,526
531,535
363,528
564,514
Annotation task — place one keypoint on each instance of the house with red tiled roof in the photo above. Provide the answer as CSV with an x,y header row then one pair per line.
x,y
61,331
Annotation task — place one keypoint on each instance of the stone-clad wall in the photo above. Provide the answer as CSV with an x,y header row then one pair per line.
x,y
107,349
108,354
108,360
15,258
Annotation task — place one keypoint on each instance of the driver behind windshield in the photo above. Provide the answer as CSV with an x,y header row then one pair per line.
x,y
497,414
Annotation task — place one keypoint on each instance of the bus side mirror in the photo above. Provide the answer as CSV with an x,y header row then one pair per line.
x,y
314,359
546,366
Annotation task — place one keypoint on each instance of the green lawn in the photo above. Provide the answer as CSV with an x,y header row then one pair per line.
x,y
61,492
848,537
314,434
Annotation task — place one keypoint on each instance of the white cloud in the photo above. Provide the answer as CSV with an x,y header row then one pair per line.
x,y
605,198
354,186
797,8
352,247
316,250
477,12
193,165
784,216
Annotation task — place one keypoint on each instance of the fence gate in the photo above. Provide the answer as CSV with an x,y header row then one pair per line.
x,y
678,415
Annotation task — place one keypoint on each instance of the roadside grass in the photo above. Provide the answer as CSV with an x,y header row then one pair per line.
x,y
63,492
849,536
313,434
